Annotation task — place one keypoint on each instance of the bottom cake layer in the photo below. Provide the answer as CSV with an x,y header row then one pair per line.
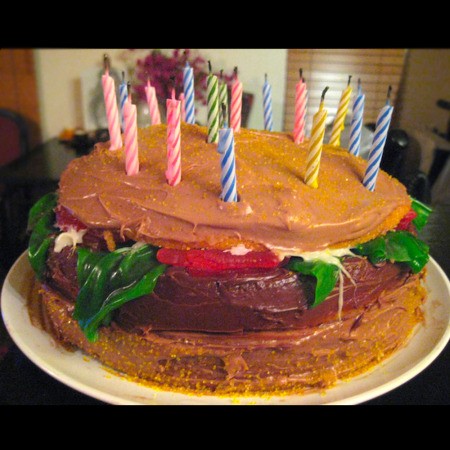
x,y
275,362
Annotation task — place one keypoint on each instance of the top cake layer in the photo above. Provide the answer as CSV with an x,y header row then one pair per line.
x,y
276,209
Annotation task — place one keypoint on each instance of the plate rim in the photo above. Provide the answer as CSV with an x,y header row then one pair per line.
x,y
7,310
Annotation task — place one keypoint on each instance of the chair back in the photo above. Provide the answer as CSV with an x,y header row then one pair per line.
x,y
14,136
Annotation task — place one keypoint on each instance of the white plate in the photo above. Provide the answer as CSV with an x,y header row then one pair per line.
x,y
91,378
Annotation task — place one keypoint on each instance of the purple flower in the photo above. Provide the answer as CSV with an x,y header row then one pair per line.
x,y
159,68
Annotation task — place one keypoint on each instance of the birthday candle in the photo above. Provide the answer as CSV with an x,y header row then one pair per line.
x,y
354,145
339,120
183,106
123,94
236,103
315,144
223,96
300,110
189,94
267,105
112,112
152,101
131,143
379,139
227,163
212,92
173,172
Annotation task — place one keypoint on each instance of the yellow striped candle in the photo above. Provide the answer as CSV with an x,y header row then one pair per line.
x,y
315,144
339,120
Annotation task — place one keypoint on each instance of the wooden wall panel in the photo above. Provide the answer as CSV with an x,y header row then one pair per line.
x,y
377,69
18,88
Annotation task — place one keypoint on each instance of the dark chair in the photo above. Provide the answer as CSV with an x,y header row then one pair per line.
x,y
401,159
14,136
14,143
440,156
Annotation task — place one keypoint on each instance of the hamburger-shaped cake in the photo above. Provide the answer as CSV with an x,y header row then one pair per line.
x,y
288,288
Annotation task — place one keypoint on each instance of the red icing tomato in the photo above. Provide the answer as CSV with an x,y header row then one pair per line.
x,y
65,219
405,223
216,260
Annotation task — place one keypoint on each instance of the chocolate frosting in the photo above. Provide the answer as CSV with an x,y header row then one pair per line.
x,y
256,362
237,301
276,209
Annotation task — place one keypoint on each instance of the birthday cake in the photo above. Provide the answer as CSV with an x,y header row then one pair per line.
x,y
289,289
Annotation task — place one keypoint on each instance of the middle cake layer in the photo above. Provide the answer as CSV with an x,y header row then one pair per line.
x,y
236,301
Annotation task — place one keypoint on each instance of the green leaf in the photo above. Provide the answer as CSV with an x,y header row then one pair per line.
x,y
119,297
41,221
423,211
92,292
87,259
396,246
134,265
108,280
402,246
43,207
326,276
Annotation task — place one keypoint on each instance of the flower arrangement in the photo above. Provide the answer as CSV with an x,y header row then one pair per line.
x,y
160,68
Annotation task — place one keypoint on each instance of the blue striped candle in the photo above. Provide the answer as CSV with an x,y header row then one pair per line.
x,y
227,164
123,95
354,145
376,150
267,105
189,95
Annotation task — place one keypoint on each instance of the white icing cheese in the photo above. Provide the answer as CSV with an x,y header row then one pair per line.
x,y
341,294
72,237
239,250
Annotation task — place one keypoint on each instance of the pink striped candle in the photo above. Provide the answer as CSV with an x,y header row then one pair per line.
x,y
183,107
112,112
130,132
236,103
153,107
173,172
300,110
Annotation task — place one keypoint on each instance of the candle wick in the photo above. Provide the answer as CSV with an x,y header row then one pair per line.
x,y
209,66
123,76
221,74
106,63
301,74
322,98
388,95
224,115
235,70
265,77
349,79
129,91
172,83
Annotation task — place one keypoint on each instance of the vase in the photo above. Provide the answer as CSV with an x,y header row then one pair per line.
x,y
143,113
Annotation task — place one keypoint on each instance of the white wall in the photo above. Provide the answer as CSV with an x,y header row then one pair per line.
x,y
252,65
59,85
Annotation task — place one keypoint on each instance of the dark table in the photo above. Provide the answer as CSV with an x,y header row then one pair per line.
x,y
23,182
23,383
42,165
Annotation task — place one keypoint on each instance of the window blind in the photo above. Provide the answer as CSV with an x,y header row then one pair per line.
x,y
377,69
